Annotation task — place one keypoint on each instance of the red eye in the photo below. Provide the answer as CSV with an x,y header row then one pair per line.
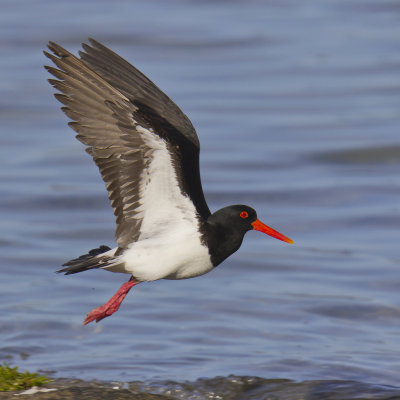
x,y
244,214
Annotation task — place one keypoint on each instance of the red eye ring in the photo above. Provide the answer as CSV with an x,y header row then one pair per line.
x,y
244,214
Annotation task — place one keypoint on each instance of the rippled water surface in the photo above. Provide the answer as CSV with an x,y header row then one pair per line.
x,y
297,106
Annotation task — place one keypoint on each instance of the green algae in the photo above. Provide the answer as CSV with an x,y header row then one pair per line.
x,y
12,379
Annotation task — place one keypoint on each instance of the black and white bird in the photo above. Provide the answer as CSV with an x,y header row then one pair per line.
x,y
147,152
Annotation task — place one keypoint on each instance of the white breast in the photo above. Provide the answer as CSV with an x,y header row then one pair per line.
x,y
176,256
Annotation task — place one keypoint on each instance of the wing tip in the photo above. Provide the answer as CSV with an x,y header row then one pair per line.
x,y
55,48
95,43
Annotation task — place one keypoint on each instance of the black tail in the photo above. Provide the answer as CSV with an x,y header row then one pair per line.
x,y
87,261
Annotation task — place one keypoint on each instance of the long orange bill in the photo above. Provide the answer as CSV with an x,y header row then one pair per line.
x,y
259,226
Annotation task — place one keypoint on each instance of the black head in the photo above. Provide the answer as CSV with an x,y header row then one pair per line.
x,y
238,218
227,227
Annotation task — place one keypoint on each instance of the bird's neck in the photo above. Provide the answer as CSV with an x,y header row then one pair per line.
x,y
222,240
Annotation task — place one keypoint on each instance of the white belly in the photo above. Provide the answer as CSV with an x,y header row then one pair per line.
x,y
165,257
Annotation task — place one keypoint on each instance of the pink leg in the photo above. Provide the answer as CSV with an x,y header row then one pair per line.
x,y
112,305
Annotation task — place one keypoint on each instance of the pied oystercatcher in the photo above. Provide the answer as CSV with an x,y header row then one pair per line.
x,y
147,151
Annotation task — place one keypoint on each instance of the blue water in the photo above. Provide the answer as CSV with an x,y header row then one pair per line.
x,y
297,106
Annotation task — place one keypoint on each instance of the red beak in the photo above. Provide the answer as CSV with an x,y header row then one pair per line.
x,y
259,226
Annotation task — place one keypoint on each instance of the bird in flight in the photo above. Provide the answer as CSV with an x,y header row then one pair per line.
x,y
147,151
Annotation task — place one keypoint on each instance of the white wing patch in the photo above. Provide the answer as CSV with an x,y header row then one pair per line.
x,y
163,203
169,245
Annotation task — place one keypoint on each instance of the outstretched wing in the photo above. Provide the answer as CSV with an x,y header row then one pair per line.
x,y
146,149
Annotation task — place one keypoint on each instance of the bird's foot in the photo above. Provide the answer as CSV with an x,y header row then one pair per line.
x,y
112,305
